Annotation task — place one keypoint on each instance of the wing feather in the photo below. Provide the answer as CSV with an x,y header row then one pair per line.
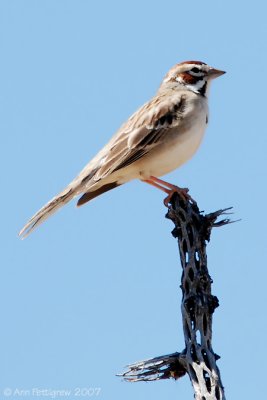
x,y
147,128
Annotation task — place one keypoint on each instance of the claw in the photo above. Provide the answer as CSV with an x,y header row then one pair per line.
x,y
169,189
176,189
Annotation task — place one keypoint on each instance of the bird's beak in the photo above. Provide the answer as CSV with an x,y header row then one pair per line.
x,y
215,73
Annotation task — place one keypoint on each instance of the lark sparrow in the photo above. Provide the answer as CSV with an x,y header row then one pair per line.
x,y
155,140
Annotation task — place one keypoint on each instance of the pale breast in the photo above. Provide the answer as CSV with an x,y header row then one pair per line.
x,y
181,144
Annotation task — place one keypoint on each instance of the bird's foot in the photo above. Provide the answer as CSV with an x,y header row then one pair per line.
x,y
183,192
170,189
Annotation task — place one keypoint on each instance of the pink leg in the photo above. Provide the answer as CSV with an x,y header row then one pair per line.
x,y
168,188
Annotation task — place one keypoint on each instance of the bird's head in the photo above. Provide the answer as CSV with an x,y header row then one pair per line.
x,y
194,75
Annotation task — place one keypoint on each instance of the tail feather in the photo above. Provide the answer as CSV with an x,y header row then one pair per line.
x,y
87,196
50,208
76,187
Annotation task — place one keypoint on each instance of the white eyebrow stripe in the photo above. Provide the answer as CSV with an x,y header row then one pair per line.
x,y
187,67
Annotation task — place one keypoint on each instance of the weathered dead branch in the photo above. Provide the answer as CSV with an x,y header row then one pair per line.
x,y
192,230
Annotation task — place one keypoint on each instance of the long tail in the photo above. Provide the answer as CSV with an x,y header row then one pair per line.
x,y
75,188
50,208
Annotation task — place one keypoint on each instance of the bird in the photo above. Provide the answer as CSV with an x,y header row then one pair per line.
x,y
158,138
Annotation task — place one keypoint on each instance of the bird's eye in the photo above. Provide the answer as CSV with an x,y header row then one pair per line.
x,y
195,70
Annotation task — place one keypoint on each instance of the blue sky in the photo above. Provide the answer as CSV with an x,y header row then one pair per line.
x,y
96,288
